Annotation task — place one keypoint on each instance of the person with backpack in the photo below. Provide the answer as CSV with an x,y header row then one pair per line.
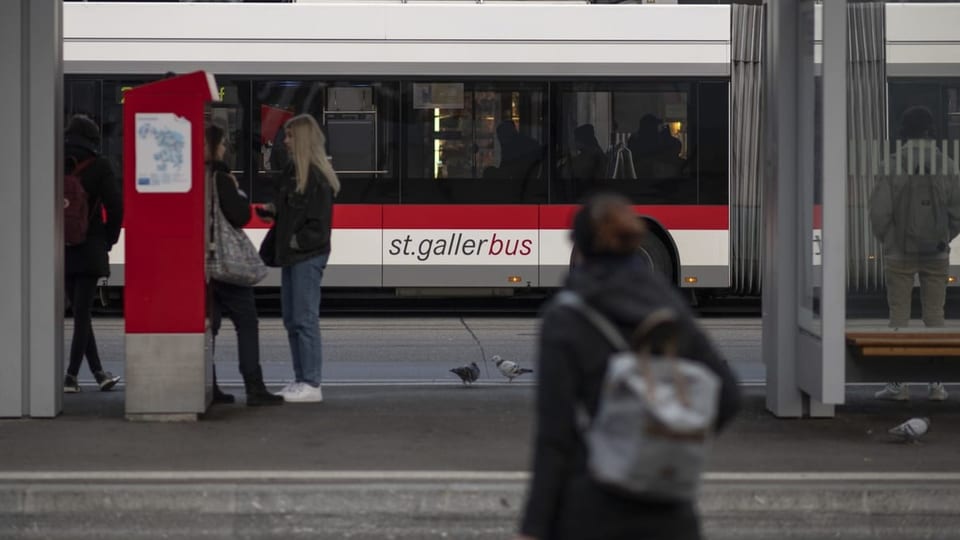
x,y
915,214
566,499
90,190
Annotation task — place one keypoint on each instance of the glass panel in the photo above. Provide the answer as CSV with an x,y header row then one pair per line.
x,y
474,143
921,155
359,121
635,138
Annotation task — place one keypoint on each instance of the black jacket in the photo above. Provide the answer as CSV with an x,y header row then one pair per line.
x,y
233,202
301,228
103,191
564,502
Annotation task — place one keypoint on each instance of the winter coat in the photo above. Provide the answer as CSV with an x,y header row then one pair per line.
x,y
564,502
103,191
302,221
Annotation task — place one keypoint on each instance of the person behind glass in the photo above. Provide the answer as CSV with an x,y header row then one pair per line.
x,y
589,163
902,259
87,262
299,243
236,300
563,501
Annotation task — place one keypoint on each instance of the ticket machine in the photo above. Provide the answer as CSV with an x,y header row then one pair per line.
x,y
169,371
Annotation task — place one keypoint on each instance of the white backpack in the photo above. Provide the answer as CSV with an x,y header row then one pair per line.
x,y
655,416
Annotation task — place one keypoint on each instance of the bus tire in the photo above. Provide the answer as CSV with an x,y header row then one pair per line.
x,y
653,251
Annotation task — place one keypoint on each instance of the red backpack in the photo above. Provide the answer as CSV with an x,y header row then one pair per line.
x,y
76,206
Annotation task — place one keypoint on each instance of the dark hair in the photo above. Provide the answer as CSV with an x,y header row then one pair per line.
x,y
213,136
916,122
82,132
600,228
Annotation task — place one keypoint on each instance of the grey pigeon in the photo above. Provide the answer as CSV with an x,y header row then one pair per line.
x,y
467,374
509,368
911,430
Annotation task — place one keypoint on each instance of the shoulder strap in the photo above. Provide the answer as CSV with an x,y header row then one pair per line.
x,y
602,324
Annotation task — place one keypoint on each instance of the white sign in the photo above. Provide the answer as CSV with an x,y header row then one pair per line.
x,y
163,153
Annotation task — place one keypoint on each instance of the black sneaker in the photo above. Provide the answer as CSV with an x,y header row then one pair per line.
x,y
106,380
219,396
70,384
260,398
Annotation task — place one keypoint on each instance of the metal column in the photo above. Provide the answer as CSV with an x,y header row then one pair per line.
x,y
31,237
803,314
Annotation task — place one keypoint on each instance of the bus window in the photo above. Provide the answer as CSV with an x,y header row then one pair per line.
x,y
634,138
474,142
230,113
359,121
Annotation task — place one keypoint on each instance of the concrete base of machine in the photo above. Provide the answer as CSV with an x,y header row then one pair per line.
x,y
169,377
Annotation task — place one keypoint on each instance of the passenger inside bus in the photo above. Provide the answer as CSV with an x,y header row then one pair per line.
x,y
588,164
656,152
520,155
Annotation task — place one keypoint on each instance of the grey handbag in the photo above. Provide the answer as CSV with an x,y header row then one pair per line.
x,y
231,257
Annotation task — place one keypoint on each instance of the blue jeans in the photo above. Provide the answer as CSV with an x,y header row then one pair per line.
x,y
300,304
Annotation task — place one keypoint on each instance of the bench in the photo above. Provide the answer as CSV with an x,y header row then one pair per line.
x,y
903,344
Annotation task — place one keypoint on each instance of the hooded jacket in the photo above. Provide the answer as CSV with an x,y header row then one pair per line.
x,y
564,502
103,191
925,159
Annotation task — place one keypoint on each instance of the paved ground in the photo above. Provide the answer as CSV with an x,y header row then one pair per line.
x,y
424,457
447,428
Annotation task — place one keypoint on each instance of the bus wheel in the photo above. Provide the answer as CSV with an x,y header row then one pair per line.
x,y
656,256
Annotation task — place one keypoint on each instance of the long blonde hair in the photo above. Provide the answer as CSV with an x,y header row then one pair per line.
x,y
309,148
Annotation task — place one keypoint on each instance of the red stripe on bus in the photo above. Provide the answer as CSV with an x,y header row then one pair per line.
x,y
345,216
466,217
675,217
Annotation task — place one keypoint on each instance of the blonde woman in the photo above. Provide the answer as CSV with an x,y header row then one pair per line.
x,y
300,245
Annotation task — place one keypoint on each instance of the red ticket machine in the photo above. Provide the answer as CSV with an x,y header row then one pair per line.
x,y
168,365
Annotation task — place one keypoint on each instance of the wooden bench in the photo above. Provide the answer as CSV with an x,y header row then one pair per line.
x,y
905,343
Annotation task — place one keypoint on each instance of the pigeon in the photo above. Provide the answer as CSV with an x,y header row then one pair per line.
x,y
467,374
509,368
911,430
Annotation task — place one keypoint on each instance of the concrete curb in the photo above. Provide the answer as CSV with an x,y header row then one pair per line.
x,y
469,508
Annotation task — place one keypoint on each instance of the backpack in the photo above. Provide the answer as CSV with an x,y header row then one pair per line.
x,y
76,206
920,215
650,435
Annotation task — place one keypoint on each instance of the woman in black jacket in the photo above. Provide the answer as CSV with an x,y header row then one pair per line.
x,y
564,502
237,300
299,243
87,262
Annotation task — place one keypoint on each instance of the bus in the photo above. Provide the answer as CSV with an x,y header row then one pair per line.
x,y
466,134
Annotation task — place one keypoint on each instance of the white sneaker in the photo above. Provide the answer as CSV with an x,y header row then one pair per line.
x,y
304,393
937,392
290,387
893,391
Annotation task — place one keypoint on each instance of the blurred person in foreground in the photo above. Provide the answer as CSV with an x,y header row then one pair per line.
x,y
564,501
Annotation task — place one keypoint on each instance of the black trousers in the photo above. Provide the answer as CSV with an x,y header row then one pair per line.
x,y
80,290
237,302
